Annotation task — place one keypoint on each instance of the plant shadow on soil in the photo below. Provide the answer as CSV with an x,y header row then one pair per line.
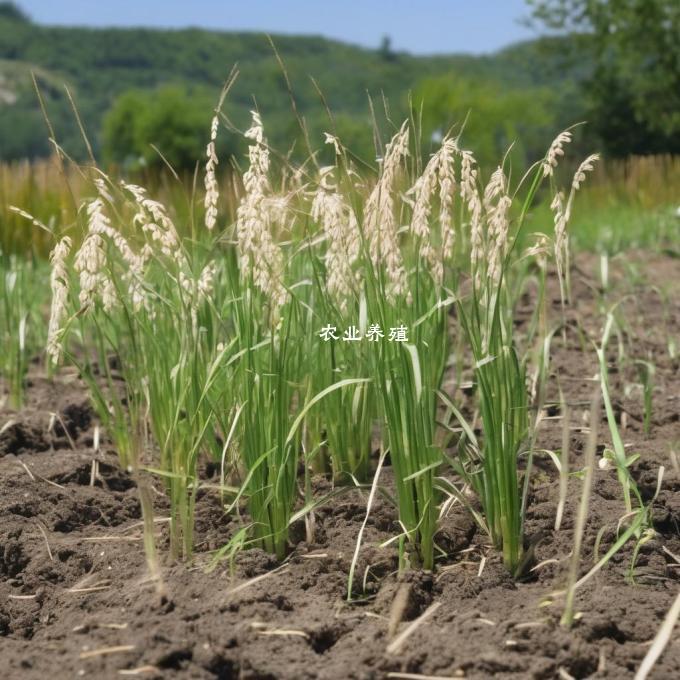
x,y
75,598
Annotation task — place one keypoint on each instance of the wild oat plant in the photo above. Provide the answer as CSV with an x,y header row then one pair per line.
x,y
309,332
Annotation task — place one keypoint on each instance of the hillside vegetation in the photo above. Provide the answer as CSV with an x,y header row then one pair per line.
x,y
101,66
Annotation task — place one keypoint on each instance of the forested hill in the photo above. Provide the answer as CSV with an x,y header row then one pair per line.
x,y
100,65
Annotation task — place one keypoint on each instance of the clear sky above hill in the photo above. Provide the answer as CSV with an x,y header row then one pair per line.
x,y
418,26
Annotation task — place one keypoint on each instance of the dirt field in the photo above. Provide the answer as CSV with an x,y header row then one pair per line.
x,y
75,602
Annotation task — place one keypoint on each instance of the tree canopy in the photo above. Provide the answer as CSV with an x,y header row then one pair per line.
x,y
634,90
8,10
172,120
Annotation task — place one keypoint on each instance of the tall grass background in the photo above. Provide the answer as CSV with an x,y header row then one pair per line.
x,y
631,202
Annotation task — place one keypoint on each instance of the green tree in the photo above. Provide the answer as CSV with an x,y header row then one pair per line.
x,y
18,133
492,117
173,119
634,91
119,131
8,10
385,49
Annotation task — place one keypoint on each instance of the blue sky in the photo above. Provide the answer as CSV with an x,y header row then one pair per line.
x,y
419,26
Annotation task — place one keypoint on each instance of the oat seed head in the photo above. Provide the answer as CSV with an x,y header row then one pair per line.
x,y
555,152
540,250
495,187
90,259
153,218
439,173
380,226
586,166
60,287
332,139
488,251
469,192
447,192
212,192
560,218
342,236
259,255
423,191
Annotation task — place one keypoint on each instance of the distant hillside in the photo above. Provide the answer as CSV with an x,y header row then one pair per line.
x,y
100,64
